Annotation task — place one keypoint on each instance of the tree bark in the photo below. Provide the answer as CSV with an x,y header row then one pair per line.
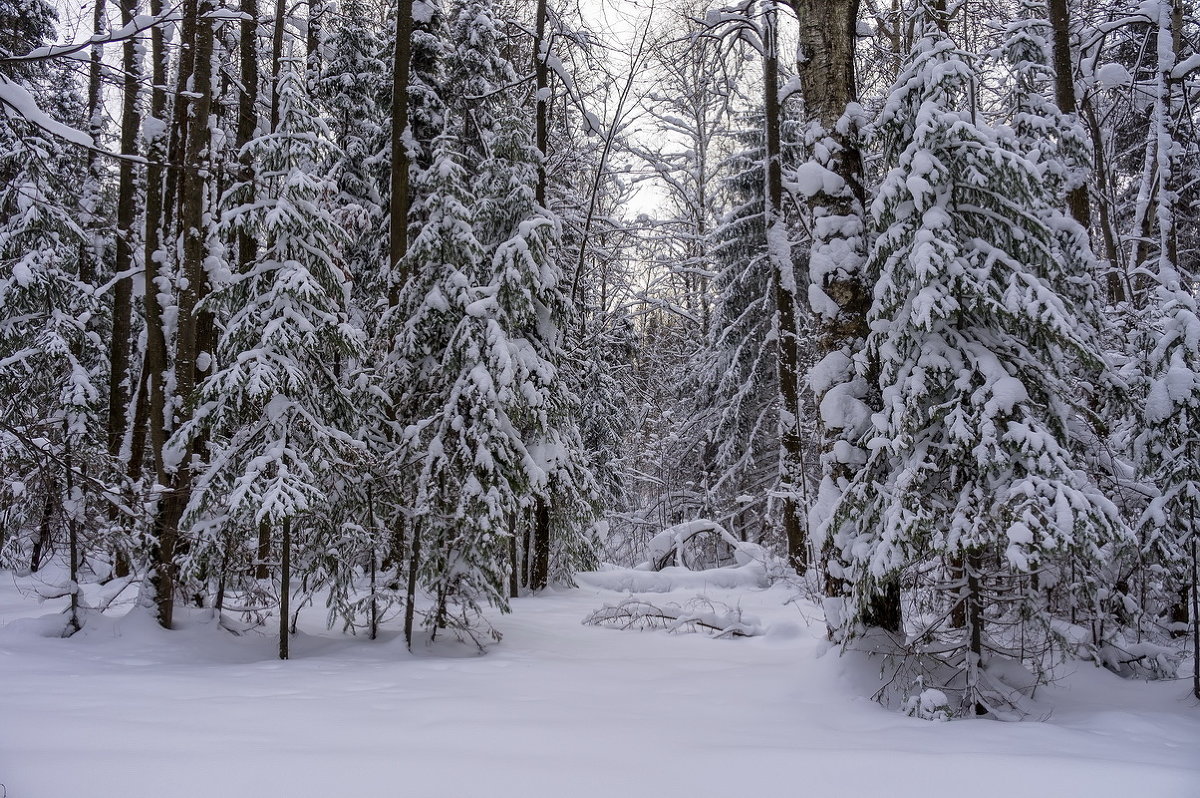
x,y
839,288
312,43
541,77
401,156
285,586
154,365
791,453
89,253
120,343
539,574
1078,201
247,244
193,191
410,594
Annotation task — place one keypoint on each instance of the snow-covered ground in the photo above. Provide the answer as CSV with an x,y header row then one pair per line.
x,y
556,709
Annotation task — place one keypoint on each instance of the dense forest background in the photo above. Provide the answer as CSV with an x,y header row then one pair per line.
x,y
411,308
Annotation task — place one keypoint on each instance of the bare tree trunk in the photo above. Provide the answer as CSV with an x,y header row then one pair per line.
x,y
120,343
285,586
312,42
791,455
541,78
1078,201
401,157
539,574
410,594
193,191
154,366
247,244
89,253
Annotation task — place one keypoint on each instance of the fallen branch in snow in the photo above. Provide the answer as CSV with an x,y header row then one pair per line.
x,y
698,615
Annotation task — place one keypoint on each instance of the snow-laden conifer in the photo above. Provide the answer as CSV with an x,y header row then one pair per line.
x,y
49,354
276,408
1168,444
970,485
468,461
738,380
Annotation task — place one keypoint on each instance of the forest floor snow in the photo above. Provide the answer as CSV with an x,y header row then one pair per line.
x,y
556,709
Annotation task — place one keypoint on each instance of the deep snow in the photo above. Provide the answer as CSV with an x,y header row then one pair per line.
x,y
556,709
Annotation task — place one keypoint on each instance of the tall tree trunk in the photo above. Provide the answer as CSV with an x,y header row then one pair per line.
x,y
839,288
541,79
791,452
120,343
193,192
1078,201
312,45
401,157
277,32
539,574
89,252
285,586
154,366
247,244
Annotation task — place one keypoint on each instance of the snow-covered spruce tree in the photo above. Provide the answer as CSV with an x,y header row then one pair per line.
x,y
49,358
970,484
465,449
492,427
523,240
276,410
354,91
24,26
1168,446
532,306
1059,149
738,382
360,565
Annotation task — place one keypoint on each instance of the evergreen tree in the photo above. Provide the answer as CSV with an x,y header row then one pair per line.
x,y
277,408
1168,446
458,376
354,91
739,382
970,485
49,355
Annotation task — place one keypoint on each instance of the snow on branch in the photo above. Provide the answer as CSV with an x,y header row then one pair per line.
x,y
137,26
697,615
